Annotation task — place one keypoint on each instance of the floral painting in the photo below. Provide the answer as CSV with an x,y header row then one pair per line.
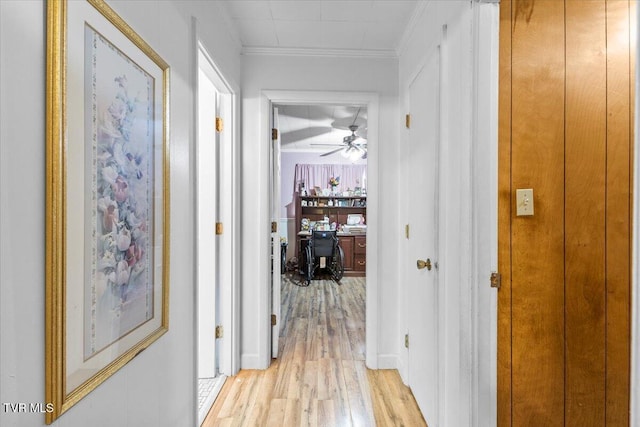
x,y
119,158
107,199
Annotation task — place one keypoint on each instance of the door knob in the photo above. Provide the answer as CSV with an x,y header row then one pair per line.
x,y
422,264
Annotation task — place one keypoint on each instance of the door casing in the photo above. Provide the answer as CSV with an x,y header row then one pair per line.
x,y
370,100
227,210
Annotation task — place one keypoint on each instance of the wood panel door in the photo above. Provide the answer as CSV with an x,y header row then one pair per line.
x,y
346,242
565,131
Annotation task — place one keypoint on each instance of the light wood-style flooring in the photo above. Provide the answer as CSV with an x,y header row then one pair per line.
x,y
320,378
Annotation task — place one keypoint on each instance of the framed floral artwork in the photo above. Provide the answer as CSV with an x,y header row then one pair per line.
x,y
107,243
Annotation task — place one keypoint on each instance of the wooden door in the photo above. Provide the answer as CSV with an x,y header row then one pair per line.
x,y
423,222
566,122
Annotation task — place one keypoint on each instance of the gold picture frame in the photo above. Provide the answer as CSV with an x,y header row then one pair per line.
x,y
107,189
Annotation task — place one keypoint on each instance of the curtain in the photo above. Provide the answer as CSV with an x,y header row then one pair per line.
x,y
351,176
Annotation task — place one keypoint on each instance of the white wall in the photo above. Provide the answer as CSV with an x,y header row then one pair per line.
x,y
260,73
157,388
464,31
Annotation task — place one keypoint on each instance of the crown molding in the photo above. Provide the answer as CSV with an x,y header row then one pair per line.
x,y
341,53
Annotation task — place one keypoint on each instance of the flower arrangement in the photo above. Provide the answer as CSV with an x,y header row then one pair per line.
x,y
122,198
334,182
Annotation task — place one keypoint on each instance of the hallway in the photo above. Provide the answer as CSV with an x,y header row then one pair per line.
x,y
320,378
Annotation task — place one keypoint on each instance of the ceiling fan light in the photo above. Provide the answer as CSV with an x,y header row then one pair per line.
x,y
355,154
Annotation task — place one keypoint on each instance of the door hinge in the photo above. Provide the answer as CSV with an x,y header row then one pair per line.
x,y
219,228
496,279
274,227
406,340
274,320
406,231
407,121
274,134
219,331
219,124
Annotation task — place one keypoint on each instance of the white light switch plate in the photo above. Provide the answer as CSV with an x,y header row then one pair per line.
x,y
524,202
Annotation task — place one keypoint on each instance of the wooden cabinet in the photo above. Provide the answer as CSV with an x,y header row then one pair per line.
x,y
360,247
336,208
354,245
360,253
346,243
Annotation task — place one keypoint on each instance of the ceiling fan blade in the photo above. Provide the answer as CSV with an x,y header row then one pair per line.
x,y
300,134
356,117
344,123
331,152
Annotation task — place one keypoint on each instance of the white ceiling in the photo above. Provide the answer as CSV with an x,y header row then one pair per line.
x,y
325,27
318,128
366,26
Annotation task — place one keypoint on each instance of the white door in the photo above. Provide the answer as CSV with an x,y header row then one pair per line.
x,y
275,234
423,239
207,251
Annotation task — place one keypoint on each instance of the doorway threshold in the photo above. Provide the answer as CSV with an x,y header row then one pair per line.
x,y
208,389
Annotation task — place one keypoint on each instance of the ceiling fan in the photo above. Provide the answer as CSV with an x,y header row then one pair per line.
x,y
353,146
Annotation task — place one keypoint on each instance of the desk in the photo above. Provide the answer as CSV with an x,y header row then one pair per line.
x,y
354,246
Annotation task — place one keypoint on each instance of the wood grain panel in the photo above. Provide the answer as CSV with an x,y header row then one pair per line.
x,y
504,216
566,130
347,247
618,234
585,187
537,144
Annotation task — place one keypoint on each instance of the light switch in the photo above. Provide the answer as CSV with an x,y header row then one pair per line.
x,y
524,202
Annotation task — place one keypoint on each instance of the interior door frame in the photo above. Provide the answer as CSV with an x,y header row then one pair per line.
x,y
274,212
207,202
229,212
371,101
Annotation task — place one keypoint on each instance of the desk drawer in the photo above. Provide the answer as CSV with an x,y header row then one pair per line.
x,y
360,245
359,263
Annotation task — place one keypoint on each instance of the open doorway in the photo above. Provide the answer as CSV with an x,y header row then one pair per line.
x,y
318,148
363,109
216,231
323,187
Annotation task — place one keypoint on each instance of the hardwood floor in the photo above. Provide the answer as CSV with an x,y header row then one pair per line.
x,y
320,378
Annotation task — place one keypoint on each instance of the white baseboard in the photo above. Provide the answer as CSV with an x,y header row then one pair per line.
x,y
251,361
388,361
403,370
